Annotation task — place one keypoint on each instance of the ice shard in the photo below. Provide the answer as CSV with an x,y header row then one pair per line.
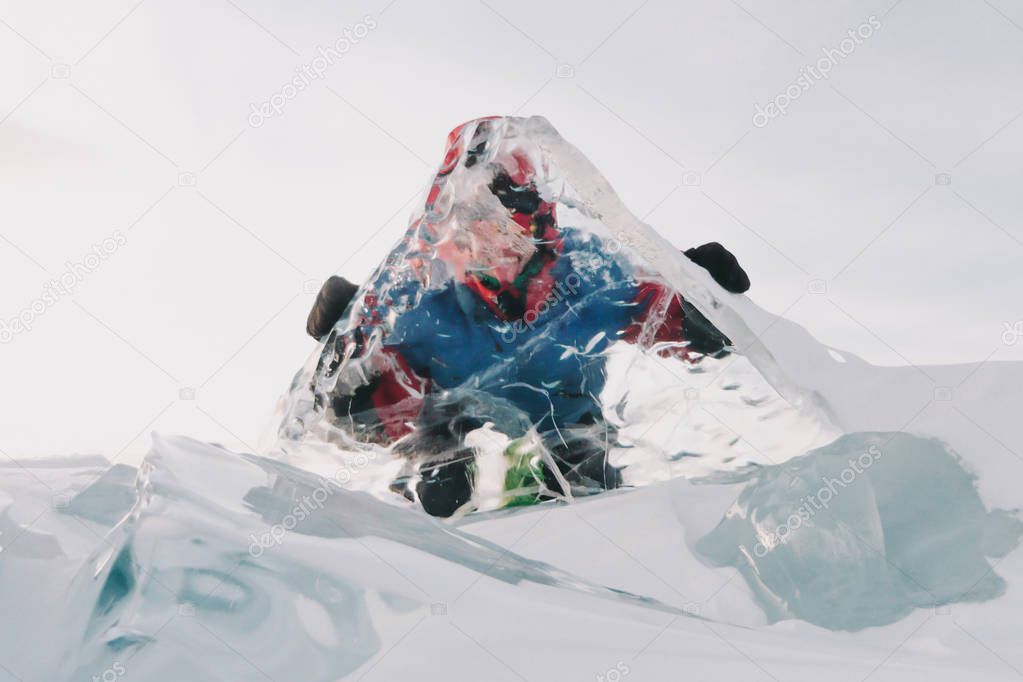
x,y
862,531
525,340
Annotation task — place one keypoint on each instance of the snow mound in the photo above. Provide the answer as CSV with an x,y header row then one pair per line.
x,y
862,531
289,568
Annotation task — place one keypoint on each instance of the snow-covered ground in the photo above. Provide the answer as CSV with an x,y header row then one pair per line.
x,y
232,566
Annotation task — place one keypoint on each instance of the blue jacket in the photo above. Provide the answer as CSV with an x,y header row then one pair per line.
x,y
550,364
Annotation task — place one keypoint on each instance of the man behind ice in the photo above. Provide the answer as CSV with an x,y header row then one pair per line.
x,y
521,317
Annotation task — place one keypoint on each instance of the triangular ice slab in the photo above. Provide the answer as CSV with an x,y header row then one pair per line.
x,y
531,335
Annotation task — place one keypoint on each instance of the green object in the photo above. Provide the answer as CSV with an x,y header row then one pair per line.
x,y
523,479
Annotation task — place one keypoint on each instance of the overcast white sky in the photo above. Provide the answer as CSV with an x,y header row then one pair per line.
x,y
131,120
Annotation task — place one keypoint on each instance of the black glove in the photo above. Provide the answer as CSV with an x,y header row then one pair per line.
x,y
721,265
335,295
